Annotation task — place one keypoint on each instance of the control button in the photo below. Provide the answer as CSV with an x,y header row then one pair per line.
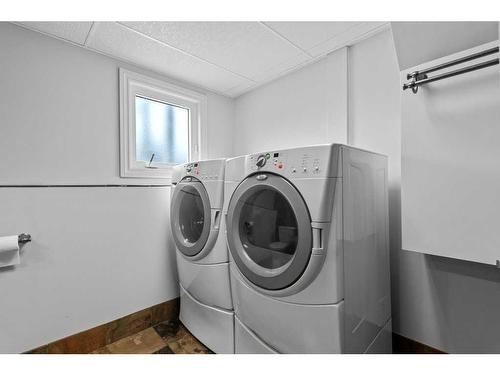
x,y
305,169
261,161
294,170
268,155
188,168
280,165
316,168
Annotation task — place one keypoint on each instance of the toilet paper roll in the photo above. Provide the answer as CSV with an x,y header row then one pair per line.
x,y
9,251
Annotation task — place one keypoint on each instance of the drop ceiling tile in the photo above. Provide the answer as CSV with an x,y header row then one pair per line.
x,y
246,48
119,41
307,35
348,37
75,32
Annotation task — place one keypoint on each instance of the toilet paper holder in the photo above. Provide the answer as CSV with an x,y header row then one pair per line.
x,y
24,238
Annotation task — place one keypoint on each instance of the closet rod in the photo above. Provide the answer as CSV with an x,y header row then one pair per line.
x,y
419,78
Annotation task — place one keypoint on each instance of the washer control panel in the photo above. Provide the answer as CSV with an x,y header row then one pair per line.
x,y
314,161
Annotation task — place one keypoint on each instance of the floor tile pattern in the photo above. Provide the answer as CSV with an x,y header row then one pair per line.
x,y
169,337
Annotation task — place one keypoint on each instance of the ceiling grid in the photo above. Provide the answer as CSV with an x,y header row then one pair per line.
x,y
229,58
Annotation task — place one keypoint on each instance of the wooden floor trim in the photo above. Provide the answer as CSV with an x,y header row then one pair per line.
x,y
100,336
404,345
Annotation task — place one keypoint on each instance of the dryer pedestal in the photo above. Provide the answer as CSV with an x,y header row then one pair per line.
x,y
207,283
214,327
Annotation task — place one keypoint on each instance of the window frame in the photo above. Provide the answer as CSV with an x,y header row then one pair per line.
x,y
134,84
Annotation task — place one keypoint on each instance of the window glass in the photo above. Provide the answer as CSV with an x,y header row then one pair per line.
x,y
268,228
191,214
161,129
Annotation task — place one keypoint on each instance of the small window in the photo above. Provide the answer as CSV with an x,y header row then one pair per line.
x,y
161,132
160,126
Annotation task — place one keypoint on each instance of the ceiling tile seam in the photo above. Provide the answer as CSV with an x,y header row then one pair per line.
x,y
284,38
184,52
89,34
351,40
346,31
46,33
192,85
368,34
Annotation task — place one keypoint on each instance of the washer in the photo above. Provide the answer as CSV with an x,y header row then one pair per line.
x,y
307,231
201,252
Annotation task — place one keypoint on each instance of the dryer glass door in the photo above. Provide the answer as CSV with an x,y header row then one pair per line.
x,y
190,216
269,231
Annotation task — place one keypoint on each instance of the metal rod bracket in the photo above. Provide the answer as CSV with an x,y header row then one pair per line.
x,y
414,77
24,238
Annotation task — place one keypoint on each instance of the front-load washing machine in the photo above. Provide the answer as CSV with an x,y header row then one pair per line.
x,y
307,231
202,257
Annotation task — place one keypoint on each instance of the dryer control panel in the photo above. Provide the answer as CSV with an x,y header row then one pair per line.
x,y
314,161
205,170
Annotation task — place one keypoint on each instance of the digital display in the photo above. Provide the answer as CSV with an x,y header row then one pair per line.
x,y
276,154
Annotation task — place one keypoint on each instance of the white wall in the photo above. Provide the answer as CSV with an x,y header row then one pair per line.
x,y
98,253
308,106
448,304
220,113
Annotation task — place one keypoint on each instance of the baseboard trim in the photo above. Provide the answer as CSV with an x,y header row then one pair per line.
x,y
94,338
404,345
100,336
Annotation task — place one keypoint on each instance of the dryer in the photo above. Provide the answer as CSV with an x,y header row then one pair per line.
x,y
202,257
307,231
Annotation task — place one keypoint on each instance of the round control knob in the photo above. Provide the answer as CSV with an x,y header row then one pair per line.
x,y
261,161
188,168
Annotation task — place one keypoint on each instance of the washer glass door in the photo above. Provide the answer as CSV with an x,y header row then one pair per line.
x,y
268,228
190,216
269,231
